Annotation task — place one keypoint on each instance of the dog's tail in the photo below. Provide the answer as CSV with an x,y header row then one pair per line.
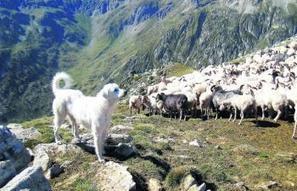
x,y
61,76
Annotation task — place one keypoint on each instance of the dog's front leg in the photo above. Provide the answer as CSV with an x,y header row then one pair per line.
x,y
104,137
97,133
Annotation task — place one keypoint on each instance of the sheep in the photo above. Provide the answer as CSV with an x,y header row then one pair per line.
x,y
199,89
174,103
241,103
135,102
205,101
219,96
156,105
274,99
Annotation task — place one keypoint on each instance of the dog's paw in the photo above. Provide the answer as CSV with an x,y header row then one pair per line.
x,y
102,161
59,142
294,137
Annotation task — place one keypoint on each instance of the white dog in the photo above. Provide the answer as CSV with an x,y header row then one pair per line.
x,y
91,112
63,96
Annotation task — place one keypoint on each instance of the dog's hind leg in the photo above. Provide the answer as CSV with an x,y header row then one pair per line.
x,y
75,130
58,121
59,118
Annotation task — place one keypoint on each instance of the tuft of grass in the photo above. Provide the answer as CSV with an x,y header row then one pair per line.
x,y
176,175
83,184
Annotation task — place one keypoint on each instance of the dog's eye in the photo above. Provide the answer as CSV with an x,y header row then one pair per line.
x,y
116,90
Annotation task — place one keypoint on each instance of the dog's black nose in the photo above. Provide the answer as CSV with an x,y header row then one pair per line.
x,y
125,92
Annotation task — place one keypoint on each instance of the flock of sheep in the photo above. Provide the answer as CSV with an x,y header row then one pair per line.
x,y
264,81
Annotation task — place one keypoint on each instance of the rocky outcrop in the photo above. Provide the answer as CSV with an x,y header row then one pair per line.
x,y
31,178
46,154
23,134
119,146
14,160
14,156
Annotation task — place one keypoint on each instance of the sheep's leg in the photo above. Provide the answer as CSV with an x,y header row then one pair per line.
x,y
294,136
180,115
138,110
241,116
207,113
235,114
263,112
231,115
216,114
279,112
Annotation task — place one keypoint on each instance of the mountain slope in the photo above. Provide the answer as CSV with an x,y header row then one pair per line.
x,y
105,40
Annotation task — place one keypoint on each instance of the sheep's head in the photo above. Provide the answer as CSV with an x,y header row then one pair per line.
x,y
215,88
160,97
225,106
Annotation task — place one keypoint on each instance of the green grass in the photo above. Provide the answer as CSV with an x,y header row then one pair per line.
x,y
254,155
44,126
179,70
82,184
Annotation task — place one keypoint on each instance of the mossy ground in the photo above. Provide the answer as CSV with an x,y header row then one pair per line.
x,y
253,155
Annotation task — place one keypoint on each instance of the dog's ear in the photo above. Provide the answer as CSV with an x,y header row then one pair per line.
x,y
104,92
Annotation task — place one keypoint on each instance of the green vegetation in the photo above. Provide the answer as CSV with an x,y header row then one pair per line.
x,y
179,70
229,153
44,126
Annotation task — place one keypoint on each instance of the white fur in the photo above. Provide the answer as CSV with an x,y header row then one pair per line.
x,y
91,112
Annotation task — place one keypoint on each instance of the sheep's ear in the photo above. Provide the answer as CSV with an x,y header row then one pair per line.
x,y
240,88
212,89
252,93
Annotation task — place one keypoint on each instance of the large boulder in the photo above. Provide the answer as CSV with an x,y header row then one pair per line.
x,y
117,145
7,172
14,171
14,157
114,176
31,178
45,153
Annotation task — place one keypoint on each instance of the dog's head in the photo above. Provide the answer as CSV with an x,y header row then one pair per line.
x,y
112,92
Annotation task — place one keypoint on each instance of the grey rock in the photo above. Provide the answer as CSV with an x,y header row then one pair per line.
x,y
118,138
269,185
117,145
13,150
188,182
43,153
7,172
24,134
241,186
114,176
31,179
121,129
193,188
154,185
202,187
124,151
196,143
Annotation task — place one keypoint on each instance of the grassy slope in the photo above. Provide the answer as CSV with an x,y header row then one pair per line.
x,y
254,155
